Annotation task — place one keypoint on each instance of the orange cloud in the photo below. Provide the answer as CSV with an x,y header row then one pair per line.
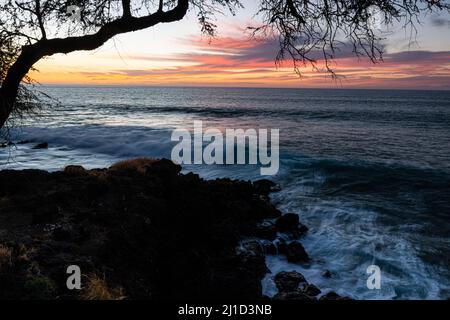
x,y
229,61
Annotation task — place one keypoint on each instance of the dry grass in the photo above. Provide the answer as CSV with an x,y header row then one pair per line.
x,y
96,288
5,257
138,164
23,253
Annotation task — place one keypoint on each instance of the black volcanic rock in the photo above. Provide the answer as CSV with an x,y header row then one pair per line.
x,y
288,281
265,230
295,252
265,186
269,247
287,221
311,290
290,223
145,228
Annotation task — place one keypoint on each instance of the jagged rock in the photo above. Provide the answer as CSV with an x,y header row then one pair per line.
x,y
311,290
265,186
259,247
296,253
288,281
154,232
269,247
251,247
164,167
265,230
289,222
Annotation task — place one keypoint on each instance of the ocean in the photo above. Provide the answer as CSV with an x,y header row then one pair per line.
x,y
368,171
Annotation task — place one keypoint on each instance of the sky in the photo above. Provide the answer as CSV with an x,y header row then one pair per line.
x,y
176,54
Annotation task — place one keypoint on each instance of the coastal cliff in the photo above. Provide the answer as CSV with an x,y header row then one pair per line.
x,y
143,230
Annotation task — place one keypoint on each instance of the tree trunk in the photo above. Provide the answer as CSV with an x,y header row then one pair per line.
x,y
46,47
5,108
10,86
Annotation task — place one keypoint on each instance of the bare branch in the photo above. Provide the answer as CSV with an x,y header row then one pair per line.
x,y
126,6
39,18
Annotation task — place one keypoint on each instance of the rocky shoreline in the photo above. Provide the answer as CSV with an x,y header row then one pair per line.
x,y
143,230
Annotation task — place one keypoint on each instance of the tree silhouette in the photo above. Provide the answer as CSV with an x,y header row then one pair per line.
x,y
33,29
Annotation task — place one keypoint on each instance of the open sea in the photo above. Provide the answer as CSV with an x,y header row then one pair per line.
x,y
368,171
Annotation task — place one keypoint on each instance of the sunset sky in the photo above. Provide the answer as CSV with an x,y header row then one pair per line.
x,y
177,55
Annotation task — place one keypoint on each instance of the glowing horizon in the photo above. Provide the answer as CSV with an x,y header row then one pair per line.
x,y
166,56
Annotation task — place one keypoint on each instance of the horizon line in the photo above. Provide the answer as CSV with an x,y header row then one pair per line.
x,y
233,87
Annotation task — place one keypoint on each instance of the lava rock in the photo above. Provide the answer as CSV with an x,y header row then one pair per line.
x,y
251,258
311,290
289,222
164,167
296,253
265,230
251,247
269,247
265,186
151,232
288,281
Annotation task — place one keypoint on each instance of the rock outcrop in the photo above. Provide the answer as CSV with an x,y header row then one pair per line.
x,y
140,230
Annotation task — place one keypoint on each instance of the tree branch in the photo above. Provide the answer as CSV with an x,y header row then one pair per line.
x,y
126,6
31,54
39,18
294,11
37,13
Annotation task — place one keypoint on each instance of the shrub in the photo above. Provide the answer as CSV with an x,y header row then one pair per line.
x,y
5,257
97,289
